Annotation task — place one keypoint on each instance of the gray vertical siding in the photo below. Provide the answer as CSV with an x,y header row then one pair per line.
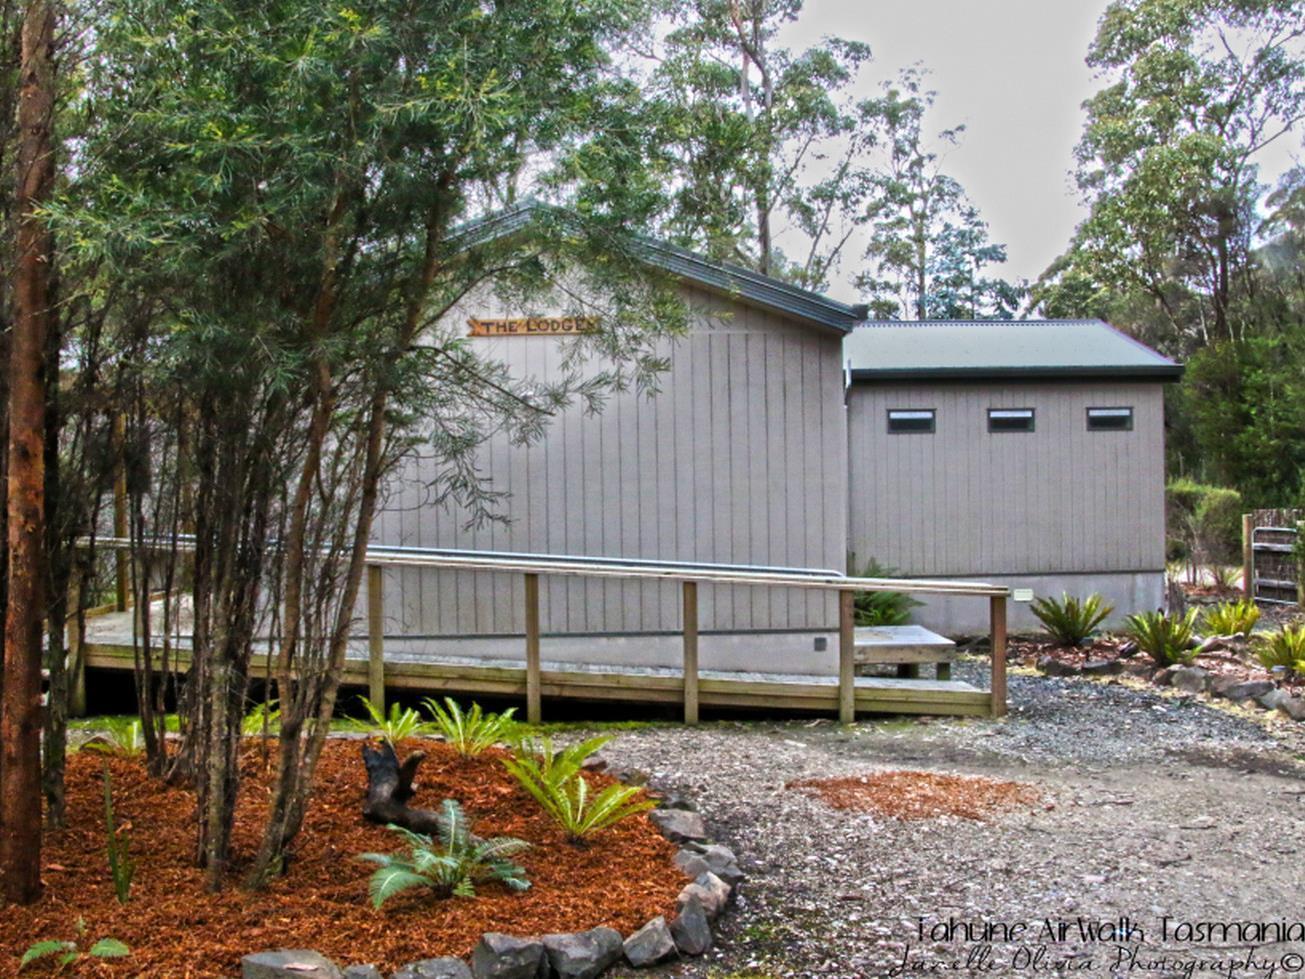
x,y
964,501
740,458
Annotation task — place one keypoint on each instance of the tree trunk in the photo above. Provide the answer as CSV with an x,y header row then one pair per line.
x,y
20,711
389,787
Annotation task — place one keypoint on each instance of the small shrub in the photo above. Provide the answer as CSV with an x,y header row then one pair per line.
x,y
1205,524
397,726
1282,650
1166,639
1225,577
472,732
121,866
881,607
121,736
451,869
66,953
1231,618
1070,621
555,779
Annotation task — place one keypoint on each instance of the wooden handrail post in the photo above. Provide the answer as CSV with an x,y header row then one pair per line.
x,y
690,652
846,658
376,636
533,706
1248,555
997,616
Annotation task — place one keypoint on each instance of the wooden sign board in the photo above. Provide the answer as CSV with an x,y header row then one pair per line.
x,y
533,326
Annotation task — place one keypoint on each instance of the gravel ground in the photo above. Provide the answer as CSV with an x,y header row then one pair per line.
x,y
1153,807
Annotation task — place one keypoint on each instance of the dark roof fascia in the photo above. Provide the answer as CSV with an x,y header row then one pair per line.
x,y
727,280
1160,373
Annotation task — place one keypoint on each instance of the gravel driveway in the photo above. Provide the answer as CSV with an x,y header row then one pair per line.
x,y
1159,810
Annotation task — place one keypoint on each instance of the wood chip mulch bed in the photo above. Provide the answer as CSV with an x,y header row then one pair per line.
x,y
624,877
920,795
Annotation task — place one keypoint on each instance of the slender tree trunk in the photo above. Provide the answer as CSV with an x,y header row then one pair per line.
x,y
20,710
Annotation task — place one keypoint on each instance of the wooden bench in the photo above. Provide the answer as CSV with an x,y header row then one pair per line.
x,y
906,647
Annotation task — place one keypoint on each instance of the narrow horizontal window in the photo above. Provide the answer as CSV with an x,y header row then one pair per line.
x,y
1010,419
1110,419
906,421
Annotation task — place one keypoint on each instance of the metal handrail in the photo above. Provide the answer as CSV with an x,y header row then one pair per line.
x,y
609,567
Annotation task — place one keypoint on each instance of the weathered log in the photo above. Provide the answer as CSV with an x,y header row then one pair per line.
x,y
390,786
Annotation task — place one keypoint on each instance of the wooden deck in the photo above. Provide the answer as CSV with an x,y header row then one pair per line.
x,y
644,685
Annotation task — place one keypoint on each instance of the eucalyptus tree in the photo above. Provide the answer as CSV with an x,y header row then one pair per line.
x,y
1194,91
276,189
927,248
753,137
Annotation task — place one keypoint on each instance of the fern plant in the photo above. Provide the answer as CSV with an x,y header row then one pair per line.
x,y
451,868
1231,618
1282,650
470,732
554,778
1068,620
67,953
395,727
264,716
881,607
121,866
1166,639
120,736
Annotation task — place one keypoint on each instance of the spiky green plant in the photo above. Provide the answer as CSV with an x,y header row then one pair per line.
x,y
1166,639
469,732
1225,576
120,736
451,868
1231,618
881,607
121,866
397,726
264,716
555,779
1282,650
67,953
1068,620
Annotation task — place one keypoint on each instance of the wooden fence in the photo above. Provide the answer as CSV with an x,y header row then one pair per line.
x,y
1270,571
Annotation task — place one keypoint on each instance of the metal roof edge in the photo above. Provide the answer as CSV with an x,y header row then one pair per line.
x,y
729,280
1165,373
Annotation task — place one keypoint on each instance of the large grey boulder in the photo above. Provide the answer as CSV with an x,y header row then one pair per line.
x,y
1293,707
499,956
1235,689
710,891
364,972
650,944
1050,666
1190,679
691,930
584,954
1273,699
289,963
679,825
1103,667
441,968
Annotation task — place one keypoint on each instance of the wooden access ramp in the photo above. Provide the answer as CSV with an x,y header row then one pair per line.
x,y
108,644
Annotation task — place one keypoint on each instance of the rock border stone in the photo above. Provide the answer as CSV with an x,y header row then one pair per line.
x,y
715,874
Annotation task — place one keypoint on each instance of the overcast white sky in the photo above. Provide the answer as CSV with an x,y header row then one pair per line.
x,y
1013,72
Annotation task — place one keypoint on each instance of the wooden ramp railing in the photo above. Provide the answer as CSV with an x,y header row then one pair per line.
x,y
689,576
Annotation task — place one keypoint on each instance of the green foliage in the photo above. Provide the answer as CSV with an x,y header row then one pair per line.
x,y
452,868
472,732
1070,621
265,716
66,953
556,780
881,607
121,865
928,248
1231,618
1204,523
395,727
1166,639
120,736
1282,650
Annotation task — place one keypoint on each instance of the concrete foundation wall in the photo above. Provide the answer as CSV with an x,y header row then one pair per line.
x,y
1128,592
